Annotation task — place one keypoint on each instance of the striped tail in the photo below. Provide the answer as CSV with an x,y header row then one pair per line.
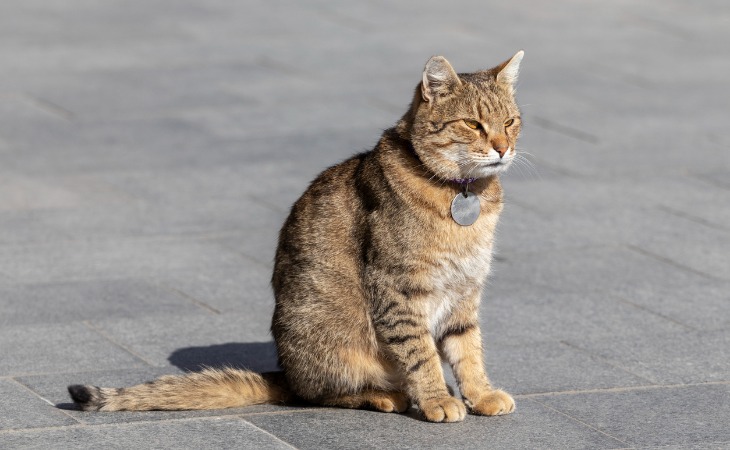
x,y
209,389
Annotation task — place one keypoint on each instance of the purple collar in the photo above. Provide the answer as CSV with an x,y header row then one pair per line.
x,y
463,181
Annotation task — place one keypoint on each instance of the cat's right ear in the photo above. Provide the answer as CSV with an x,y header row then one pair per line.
x,y
439,78
507,71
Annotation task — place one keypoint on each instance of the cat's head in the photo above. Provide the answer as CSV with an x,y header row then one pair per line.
x,y
464,125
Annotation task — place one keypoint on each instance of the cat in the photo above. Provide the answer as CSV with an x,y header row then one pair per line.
x,y
380,268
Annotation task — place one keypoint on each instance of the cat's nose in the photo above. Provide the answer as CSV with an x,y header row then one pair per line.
x,y
502,149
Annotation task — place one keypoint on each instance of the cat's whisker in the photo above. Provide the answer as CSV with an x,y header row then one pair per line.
x,y
522,162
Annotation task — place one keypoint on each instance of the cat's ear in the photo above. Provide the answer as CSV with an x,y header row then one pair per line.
x,y
507,71
439,78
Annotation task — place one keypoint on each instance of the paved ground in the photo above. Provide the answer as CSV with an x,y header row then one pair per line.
x,y
149,152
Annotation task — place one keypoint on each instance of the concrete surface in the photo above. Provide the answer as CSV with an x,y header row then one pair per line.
x,y
150,150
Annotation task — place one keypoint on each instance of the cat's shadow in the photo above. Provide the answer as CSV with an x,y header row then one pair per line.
x,y
255,356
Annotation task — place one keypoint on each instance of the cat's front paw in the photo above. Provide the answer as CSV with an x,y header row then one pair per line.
x,y
444,409
492,403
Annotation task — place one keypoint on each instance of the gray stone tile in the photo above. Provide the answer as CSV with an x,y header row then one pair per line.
x,y
360,111
690,446
189,341
146,91
526,314
53,388
215,432
701,305
523,230
687,415
99,299
689,197
690,245
32,349
28,411
257,244
553,367
688,357
593,269
228,289
614,279
18,193
109,258
531,426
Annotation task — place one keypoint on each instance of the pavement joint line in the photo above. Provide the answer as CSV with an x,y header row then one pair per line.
x,y
603,71
257,200
204,306
282,67
565,248
651,311
673,263
346,21
384,105
287,411
711,182
565,130
48,106
275,437
621,389
581,422
119,424
691,218
610,363
45,400
658,26
726,444
103,334
175,371
186,237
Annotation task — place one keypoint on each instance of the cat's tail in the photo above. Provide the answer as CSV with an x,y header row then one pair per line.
x,y
209,389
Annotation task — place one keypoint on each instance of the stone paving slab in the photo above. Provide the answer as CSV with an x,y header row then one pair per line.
x,y
539,315
57,348
553,366
623,269
108,258
28,411
227,289
66,302
220,339
214,432
531,428
676,415
688,357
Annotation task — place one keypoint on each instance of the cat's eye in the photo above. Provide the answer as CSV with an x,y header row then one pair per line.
x,y
473,124
508,122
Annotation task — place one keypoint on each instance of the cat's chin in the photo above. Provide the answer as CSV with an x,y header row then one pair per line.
x,y
488,170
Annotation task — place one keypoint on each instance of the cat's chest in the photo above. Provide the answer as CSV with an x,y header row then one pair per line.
x,y
454,278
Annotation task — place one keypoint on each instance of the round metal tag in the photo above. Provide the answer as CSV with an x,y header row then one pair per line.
x,y
465,208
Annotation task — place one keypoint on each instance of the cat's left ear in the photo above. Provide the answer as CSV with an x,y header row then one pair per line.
x,y
508,70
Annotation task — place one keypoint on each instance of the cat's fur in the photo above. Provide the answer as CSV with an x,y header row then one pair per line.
x,y
374,281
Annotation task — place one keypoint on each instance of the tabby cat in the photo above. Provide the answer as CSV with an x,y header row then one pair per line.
x,y
380,268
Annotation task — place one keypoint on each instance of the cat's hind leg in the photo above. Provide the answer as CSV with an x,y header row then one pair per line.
x,y
378,400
